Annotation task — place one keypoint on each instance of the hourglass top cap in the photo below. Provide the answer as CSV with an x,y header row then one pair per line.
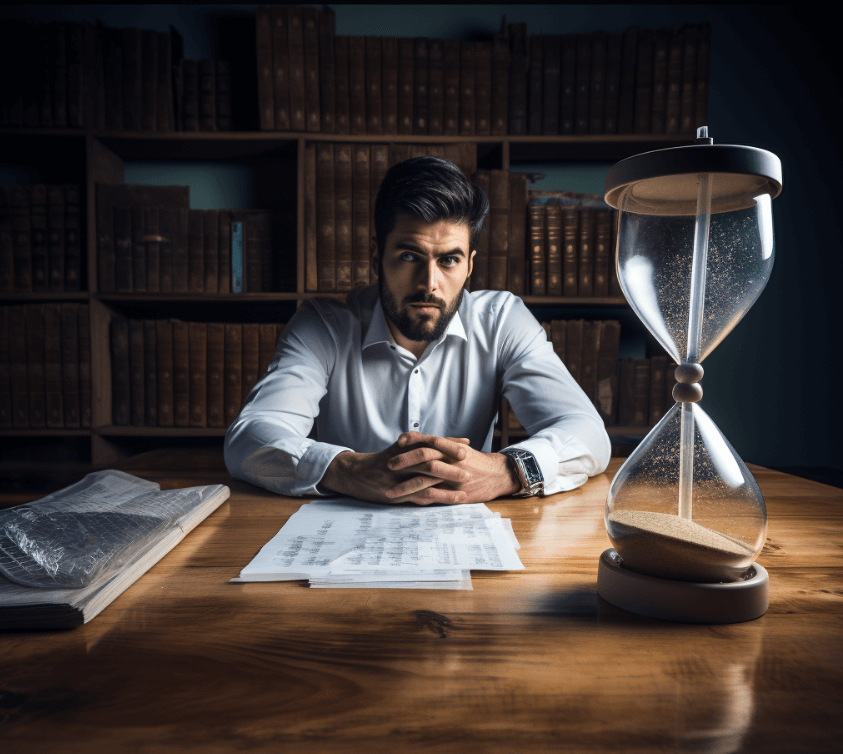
x,y
664,181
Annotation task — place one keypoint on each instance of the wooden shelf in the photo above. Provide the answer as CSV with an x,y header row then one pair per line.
x,y
139,298
44,432
43,296
131,431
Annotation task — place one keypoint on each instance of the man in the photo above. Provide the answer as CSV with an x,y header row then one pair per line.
x,y
404,380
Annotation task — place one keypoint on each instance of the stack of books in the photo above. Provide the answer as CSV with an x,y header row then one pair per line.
x,y
169,373
45,366
636,81
40,238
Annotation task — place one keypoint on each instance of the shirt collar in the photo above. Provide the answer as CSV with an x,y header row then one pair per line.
x,y
378,331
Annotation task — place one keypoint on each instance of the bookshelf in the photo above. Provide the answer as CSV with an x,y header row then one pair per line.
x,y
89,156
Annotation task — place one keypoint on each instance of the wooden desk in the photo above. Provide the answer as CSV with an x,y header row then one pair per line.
x,y
529,661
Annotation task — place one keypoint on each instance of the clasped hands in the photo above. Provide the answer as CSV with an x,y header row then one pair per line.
x,y
422,469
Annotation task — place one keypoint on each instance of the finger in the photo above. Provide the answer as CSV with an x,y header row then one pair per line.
x,y
411,486
443,471
461,440
414,457
438,495
455,450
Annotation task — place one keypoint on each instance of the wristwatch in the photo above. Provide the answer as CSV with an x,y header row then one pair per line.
x,y
527,468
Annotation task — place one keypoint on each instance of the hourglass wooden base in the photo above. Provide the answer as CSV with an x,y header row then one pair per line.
x,y
682,601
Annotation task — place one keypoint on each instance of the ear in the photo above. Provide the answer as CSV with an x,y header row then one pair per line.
x,y
471,263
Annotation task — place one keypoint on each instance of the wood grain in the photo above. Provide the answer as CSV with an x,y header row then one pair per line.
x,y
528,661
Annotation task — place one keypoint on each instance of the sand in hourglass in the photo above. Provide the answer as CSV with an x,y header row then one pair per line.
x,y
659,544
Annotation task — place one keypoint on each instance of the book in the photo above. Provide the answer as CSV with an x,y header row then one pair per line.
x,y
626,412
420,84
295,31
149,80
35,365
627,88
574,348
196,251
606,397
451,83
537,249
21,238
468,81
640,392
499,212
310,41
342,105
325,217
518,78
164,93
591,331
123,249
374,97
150,373
327,74
536,87
480,272
223,251
155,270
233,371
585,252
643,101
85,385
137,374
27,607
18,377
500,82
361,214
207,72
406,84
198,366
482,88
516,243
53,397
70,363
557,247
216,375
167,226
181,373
602,245
389,84
673,99
611,89
38,244
581,105
120,389
251,359
436,87
597,94
165,386
273,67
210,242
237,248
223,93
73,243
56,238
344,240
357,84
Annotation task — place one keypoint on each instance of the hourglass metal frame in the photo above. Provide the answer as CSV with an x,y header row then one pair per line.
x,y
694,168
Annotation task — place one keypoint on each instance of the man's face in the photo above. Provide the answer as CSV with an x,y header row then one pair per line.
x,y
422,272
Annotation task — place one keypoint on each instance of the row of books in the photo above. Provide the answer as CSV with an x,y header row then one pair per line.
x,y
637,81
150,241
169,373
341,183
45,366
40,246
81,75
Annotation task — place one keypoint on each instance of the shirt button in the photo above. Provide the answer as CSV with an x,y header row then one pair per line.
x,y
417,371
416,424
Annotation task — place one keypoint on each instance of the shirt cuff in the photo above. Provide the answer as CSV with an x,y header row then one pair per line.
x,y
559,475
314,463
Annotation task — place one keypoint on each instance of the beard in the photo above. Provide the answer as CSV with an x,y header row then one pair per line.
x,y
422,328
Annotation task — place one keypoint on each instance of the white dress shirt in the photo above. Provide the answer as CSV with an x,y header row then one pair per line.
x,y
338,365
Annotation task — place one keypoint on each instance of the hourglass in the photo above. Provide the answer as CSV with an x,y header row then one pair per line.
x,y
694,251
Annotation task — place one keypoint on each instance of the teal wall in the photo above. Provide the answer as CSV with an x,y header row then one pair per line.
x,y
773,85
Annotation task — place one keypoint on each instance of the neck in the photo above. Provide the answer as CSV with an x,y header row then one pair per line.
x,y
415,347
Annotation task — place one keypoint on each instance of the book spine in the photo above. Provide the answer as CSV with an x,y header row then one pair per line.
x,y
482,88
310,235
56,237
343,210
500,85
216,375
573,348
673,101
390,85
58,41
237,242
538,254
92,89
555,248
198,364
152,241
113,57
640,392
190,98
361,212
468,81
480,273
519,83
223,95
614,282
558,337
120,389
552,61
379,168
406,84
210,236
643,82
661,53
596,95
21,238
233,371
73,239
35,364
123,249
180,235
149,80
585,277
310,32
420,85
40,70
626,93
85,385
517,232
325,217
267,270
689,81
252,261
38,227
583,83
327,75
137,373
7,243
132,79
266,345
570,250
536,85
150,373
181,374
166,227
374,103
568,85
590,347
499,227
611,92
54,405
342,103
195,251
607,371
251,360
274,62
295,31
357,84
18,377
224,251
165,121
137,248
436,87
602,242
207,95
451,84
70,363
165,386
75,54
626,413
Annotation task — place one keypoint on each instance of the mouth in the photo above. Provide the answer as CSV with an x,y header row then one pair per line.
x,y
425,308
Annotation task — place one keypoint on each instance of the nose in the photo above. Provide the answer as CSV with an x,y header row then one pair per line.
x,y
431,276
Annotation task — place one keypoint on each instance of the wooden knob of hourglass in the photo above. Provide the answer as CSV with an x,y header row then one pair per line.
x,y
687,390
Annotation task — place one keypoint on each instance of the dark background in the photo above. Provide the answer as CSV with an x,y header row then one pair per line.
x,y
774,84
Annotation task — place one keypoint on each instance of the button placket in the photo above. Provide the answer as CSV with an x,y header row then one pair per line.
x,y
414,400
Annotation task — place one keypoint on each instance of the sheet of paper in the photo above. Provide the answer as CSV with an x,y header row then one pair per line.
x,y
343,536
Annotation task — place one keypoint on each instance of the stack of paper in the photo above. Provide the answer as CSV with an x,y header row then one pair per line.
x,y
344,543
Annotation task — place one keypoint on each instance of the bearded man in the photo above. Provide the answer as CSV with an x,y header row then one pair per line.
x,y
404,380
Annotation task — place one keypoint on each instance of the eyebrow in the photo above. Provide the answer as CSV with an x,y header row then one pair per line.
x,y
410,246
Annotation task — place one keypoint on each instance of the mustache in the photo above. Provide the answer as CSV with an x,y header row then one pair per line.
x,y
424,298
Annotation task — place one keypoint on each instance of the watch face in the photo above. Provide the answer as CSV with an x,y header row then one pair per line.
x,y
532,468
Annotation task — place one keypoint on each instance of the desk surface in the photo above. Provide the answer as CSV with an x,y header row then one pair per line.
x,y
528,661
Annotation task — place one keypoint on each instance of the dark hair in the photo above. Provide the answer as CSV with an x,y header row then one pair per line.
x,y
431,189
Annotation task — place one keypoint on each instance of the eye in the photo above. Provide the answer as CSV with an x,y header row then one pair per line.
x,y
450,261
408,256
